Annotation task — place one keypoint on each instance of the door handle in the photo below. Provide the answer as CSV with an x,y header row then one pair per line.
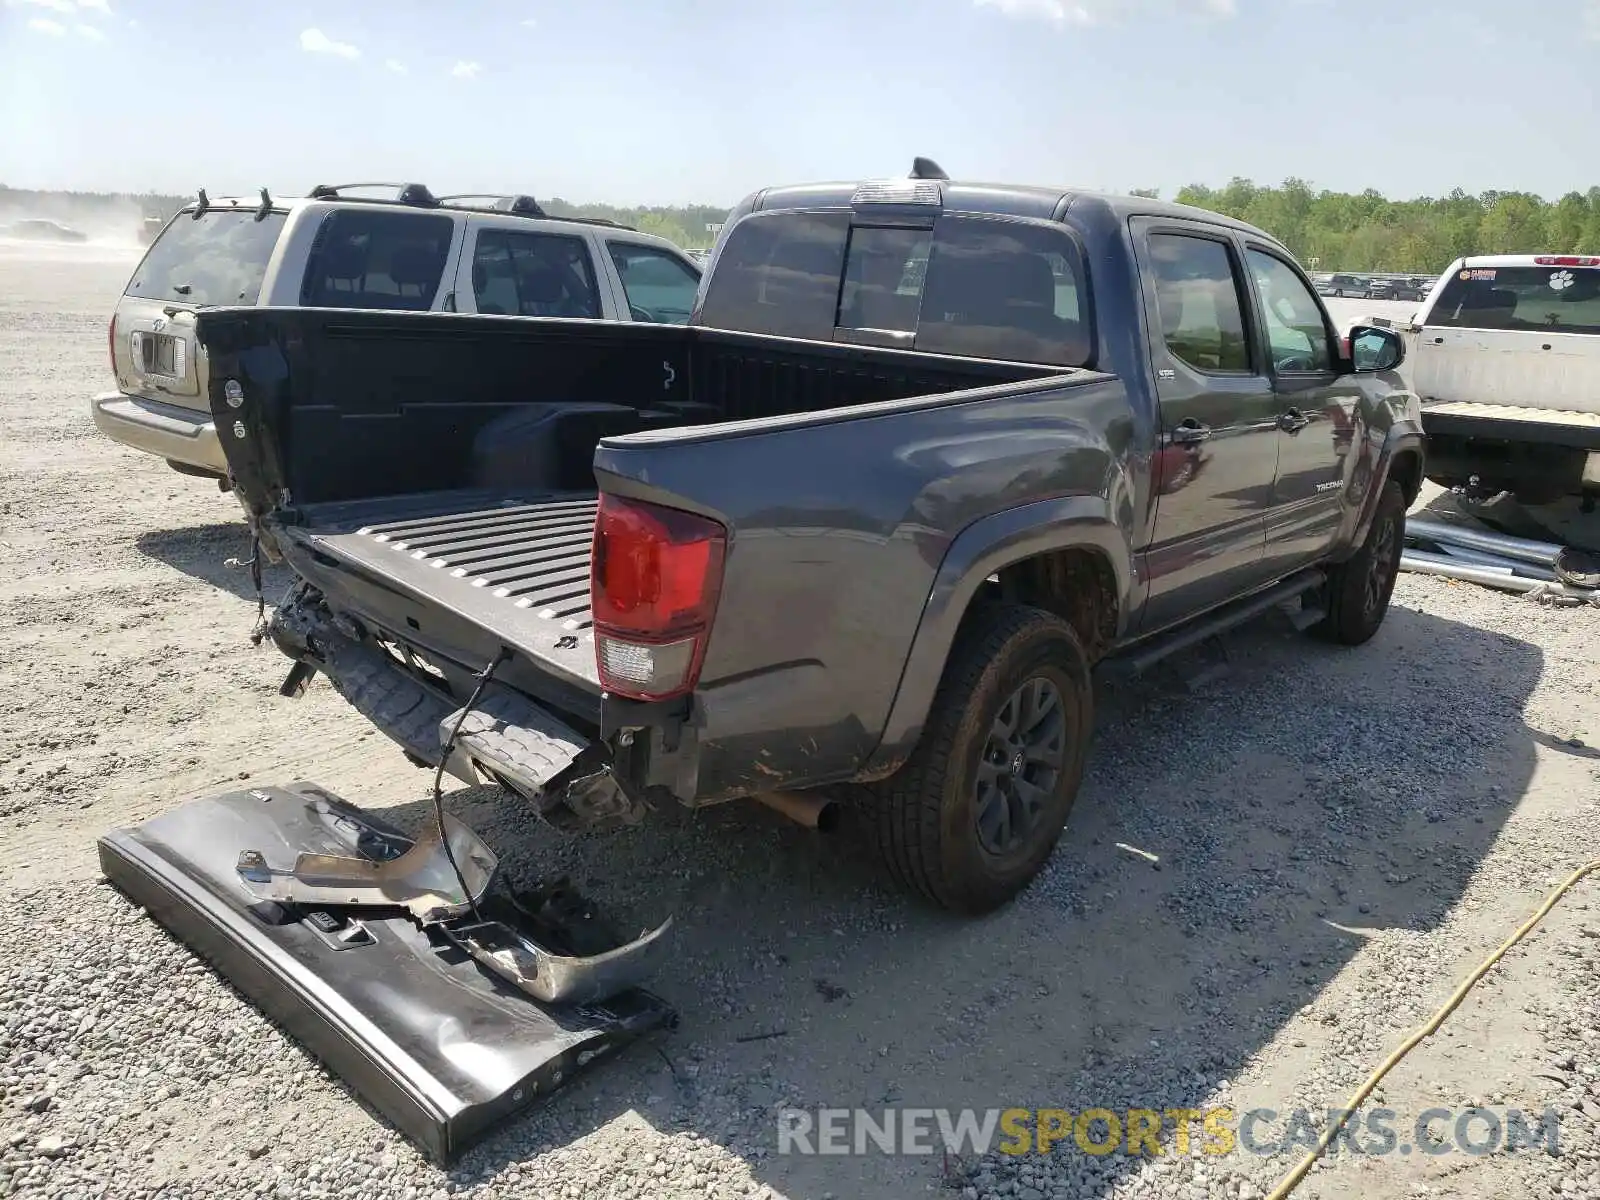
x,y
1293,421
1187,433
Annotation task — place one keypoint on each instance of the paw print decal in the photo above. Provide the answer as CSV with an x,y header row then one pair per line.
x,y
1561,280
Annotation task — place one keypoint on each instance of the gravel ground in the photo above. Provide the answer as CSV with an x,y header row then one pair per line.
x,y
1337,837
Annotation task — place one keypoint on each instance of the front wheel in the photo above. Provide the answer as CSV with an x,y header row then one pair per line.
x,y
1359,588
977,809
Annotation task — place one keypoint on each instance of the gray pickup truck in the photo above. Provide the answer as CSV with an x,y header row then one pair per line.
x,y
927,454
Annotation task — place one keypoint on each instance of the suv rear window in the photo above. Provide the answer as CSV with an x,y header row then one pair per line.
x,y
971,286
217,258
1547,299
365,258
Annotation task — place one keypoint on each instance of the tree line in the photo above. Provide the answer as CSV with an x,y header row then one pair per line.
x,y
1341,231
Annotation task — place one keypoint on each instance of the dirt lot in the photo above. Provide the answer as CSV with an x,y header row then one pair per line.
x,y
1337,837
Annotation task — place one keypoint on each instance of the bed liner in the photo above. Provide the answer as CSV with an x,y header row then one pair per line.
x,y
513,565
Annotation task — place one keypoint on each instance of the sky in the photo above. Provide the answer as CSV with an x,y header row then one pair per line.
x,y
702,101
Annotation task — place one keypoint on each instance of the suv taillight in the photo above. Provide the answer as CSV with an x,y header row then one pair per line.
x,y
111,344
1567,260
655,574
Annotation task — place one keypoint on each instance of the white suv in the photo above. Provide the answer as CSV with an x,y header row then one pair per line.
x,y
414,251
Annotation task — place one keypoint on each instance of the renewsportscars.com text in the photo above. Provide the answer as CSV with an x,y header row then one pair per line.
x,y
1153,1133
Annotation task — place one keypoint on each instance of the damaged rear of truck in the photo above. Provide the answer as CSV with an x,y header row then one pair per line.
x,y
868,520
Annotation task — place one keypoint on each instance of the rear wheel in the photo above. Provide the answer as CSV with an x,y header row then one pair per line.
x,y
1359,588
973,815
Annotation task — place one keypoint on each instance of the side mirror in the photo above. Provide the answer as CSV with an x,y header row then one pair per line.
x,y
1374,349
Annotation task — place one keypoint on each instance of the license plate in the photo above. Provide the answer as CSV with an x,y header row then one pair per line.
x,y
158,354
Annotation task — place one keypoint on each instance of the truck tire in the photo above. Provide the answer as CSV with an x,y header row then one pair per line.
x,y
1359,588
1004,746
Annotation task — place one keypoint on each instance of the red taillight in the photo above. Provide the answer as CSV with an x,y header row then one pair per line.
x,y
654,578
111,344
1567,260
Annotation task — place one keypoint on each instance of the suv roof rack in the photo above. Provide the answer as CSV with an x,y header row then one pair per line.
x,y
416,195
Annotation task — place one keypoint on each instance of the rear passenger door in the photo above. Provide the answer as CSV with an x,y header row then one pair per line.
x,y
512,271
1218,453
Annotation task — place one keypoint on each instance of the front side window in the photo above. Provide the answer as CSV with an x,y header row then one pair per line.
x,y
1295,329
1550,299
376,258
659,286
1198,298
219,257
533,275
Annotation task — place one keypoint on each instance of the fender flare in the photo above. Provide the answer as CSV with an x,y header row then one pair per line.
x,y
1403,437
979,551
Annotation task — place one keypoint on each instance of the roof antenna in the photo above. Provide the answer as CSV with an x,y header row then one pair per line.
x,y
204,203
926,168
266,205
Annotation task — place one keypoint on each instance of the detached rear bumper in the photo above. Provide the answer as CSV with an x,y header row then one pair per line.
x,y
169,431
440,1046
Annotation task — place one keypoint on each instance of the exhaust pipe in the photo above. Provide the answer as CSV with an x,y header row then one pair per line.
x,y
811,809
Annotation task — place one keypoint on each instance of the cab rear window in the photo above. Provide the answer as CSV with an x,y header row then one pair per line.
x,y
371,258
219,257
972,286
1545,299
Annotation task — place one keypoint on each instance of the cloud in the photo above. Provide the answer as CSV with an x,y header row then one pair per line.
x,y
395,65
1099,12
314,41
90,32
67,8
529,23
466,70
47,27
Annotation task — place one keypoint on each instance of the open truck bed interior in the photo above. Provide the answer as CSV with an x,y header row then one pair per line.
x,y
448,459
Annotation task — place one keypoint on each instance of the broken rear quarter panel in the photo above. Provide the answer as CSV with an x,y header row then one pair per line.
x,y
841,527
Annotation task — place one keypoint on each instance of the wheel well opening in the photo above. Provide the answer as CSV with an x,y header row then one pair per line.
x,y
1407,472
1076,585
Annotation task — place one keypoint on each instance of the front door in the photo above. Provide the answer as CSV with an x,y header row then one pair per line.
x,y
1218,453
1317,412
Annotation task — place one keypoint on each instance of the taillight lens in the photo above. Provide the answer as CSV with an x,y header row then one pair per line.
x,y
655,574
1567,260
111,344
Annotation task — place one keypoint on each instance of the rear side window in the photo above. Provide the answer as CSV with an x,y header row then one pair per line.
x,y
371,258
779,274
219,258
1197,295
533,275
1006,290
1546,299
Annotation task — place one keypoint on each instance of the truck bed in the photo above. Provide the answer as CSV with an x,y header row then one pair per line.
x,y
514,566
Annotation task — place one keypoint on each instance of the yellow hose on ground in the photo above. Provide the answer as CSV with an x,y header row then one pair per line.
x,y
1295,1177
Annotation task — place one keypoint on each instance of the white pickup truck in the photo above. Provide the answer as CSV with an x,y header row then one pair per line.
x,y
1507,364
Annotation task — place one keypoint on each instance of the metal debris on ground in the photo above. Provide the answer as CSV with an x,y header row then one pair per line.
x,y
1546,571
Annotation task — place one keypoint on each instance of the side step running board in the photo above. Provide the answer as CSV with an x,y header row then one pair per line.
x,y
1143,656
